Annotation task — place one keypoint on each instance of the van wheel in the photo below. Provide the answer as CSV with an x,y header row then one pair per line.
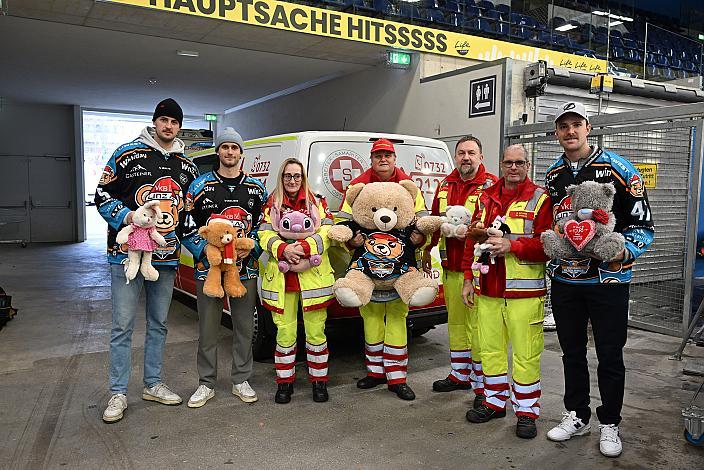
x,y
264,337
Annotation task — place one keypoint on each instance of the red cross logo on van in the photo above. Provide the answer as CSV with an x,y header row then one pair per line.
x,y
339,169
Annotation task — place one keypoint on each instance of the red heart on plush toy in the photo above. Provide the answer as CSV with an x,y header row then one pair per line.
x,y
580,233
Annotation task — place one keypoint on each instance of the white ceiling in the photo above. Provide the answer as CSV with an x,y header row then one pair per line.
x,y
102,55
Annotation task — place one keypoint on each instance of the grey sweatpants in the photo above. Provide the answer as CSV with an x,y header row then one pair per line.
x,y
209,314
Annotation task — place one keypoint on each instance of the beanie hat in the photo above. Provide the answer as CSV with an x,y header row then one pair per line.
x,y
229,135
383,145
169,108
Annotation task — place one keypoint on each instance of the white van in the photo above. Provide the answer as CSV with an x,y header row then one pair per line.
x,y
333,160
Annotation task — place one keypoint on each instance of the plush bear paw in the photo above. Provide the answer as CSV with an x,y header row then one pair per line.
x,y
423,296
149,273
340,233
476,266
461,231
215,292
484,268
131,270
235,290
315,260
347,297
447,229
609,246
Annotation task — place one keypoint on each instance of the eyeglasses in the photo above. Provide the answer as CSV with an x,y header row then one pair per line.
x,y
297,177
509,164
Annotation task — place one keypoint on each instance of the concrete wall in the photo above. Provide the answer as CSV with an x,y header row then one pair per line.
x,y
380,99
44,131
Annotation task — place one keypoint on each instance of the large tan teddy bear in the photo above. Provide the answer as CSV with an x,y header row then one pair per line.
x,y
224,239
384,214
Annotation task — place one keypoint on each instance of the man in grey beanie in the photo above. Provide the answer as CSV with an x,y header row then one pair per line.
x,y
225,195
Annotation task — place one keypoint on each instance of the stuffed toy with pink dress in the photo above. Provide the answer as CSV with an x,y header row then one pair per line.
x,y
142,238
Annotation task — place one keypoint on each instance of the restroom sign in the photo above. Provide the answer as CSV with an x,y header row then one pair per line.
x,y
482,97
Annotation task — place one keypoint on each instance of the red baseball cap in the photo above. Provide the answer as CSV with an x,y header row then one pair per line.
x,y
383,145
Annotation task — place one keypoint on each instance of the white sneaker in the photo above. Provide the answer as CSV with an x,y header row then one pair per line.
x,y
609,442
569,427
549,322
199,398
162,394
116,406
245,392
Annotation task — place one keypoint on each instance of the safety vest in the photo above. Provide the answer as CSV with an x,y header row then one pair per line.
x,y
316,282
470,203
524,277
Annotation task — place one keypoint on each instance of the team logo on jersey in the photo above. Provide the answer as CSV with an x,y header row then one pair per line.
x,y
183,178
170,196
562,210
108,176
574,268
340,168
635,186
239,218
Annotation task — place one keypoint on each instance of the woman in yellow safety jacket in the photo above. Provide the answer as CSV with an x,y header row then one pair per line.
x,y
282,293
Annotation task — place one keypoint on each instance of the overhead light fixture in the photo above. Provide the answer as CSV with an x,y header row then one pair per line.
x,y
565,27
188,53
615,23
612,16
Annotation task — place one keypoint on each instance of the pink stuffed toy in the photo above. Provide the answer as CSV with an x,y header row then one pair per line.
x,y
142,238
293,226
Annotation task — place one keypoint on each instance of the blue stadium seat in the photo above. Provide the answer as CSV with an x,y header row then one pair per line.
x,y
617,53
385,7
452,6
335,3
504,9
676,64
616,41
408,10
492,14
616,33
690,67
434,15
482,25
485,4
472,12
629,43
502,28
558,21
454,19
667,73
430,4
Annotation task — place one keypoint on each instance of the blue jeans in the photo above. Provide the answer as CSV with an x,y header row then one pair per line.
x,y
124,311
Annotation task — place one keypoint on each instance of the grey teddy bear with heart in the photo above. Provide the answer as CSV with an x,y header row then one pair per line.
x,y
590,201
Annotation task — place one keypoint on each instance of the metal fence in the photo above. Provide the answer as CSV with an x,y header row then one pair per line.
x,y
671,137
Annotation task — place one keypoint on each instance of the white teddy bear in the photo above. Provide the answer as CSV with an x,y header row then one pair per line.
x,y
455,222
142,238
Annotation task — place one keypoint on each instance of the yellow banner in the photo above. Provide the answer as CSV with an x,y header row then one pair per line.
x,y
649,172
336,24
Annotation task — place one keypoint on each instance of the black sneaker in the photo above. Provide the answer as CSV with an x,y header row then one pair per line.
x,y
320,391
403,391
283,393
449,385
478,401
525,428
370,382
483,414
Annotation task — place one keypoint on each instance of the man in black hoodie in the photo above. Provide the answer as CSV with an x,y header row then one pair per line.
x,y
152,167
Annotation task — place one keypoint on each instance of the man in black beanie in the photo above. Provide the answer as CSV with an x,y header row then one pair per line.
x,y
152,167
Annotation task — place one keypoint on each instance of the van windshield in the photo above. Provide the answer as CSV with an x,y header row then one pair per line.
x,y
333,165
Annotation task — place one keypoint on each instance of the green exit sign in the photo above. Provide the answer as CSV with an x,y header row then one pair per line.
x,y
701,36
398,59
211,117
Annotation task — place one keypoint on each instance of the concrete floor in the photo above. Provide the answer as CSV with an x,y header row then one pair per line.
x,y
53,388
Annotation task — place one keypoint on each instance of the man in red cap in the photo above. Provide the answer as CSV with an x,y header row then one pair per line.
x,y
385,334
